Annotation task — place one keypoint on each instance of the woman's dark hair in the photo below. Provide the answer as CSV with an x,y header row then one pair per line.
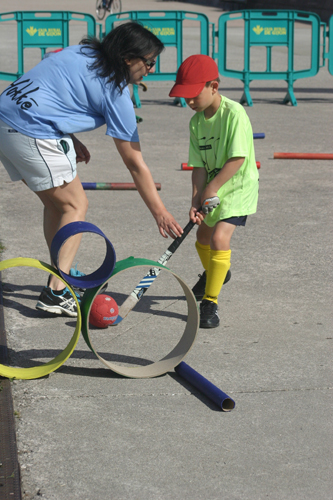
x,y
127,41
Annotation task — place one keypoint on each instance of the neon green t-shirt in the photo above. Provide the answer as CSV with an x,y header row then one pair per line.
x,y
227,134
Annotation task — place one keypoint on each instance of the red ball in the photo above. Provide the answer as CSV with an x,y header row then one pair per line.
x,y
103,312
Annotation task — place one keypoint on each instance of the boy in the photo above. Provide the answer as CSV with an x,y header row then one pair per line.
x,y
222,156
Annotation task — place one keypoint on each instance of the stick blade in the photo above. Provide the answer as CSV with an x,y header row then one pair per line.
x,y
125,308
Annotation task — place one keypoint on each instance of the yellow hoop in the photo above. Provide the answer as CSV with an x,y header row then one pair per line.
x,y
54,364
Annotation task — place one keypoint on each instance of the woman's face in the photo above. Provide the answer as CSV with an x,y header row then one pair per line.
x,y
140,67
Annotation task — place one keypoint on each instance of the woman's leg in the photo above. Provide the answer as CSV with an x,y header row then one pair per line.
x,y
62,205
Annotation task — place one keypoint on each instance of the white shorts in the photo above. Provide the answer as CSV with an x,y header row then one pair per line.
x,y
41,163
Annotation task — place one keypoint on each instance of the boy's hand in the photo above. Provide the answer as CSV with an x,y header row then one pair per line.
x,y
209,204
196,216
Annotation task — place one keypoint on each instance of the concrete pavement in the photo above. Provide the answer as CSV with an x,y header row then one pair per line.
x,y
83,432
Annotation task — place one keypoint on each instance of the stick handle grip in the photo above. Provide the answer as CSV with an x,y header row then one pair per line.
x,y
175,244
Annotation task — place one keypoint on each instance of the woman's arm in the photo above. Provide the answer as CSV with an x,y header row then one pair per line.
x,y
82,153
132,157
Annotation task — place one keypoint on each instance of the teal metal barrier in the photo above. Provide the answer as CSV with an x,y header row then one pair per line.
x,y
330,46
42,29
168,27
269,29
323,53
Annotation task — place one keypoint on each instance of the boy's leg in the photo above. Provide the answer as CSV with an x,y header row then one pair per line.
x,y
204,234
220,259
217,271
202,246
221,236
204,254
218,267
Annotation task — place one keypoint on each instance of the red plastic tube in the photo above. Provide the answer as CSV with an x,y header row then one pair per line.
x,y
303,156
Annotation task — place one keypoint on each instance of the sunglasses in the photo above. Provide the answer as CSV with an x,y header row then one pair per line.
x,y
150,63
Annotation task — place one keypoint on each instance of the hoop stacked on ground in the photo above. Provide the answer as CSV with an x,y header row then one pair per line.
x,y
99,276
172,359
54,364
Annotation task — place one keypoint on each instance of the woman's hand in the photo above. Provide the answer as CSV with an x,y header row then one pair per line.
x,y
82,153
167,225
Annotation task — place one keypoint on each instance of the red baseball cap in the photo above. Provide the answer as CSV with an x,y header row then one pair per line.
x,y
193,74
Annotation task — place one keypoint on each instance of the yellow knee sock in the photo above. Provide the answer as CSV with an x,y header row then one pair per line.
x,y
204,254
219,265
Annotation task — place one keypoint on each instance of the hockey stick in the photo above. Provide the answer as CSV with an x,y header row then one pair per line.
x,y
152,274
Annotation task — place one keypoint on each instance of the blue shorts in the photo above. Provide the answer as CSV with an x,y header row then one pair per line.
x,y
41,163
236,221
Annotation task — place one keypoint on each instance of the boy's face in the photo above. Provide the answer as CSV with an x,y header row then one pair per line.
x,y
205,99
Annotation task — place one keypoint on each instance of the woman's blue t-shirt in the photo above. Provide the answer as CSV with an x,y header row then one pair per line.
x,y
61,95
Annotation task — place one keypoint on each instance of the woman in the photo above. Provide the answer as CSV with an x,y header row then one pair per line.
x,y
76,90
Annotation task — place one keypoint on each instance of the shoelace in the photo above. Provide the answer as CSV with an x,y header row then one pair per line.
x,y
78,296
68,302
202,280
75,272
208,306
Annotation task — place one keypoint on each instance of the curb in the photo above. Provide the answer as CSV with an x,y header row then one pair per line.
x,y
10,475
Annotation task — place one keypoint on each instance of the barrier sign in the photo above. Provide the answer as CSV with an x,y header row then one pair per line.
x,y
265,32
38,32
42,29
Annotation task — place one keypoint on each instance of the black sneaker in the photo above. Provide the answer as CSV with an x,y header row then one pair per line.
x,y
199,288
208,314
57,304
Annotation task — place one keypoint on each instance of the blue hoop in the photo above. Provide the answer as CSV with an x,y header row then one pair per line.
x,y
99,276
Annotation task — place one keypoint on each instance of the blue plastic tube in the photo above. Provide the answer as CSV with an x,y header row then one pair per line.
x,y
114,186
259,135
203,385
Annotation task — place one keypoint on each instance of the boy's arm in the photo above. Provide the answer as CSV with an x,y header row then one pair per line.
x,y
199,179
228,170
